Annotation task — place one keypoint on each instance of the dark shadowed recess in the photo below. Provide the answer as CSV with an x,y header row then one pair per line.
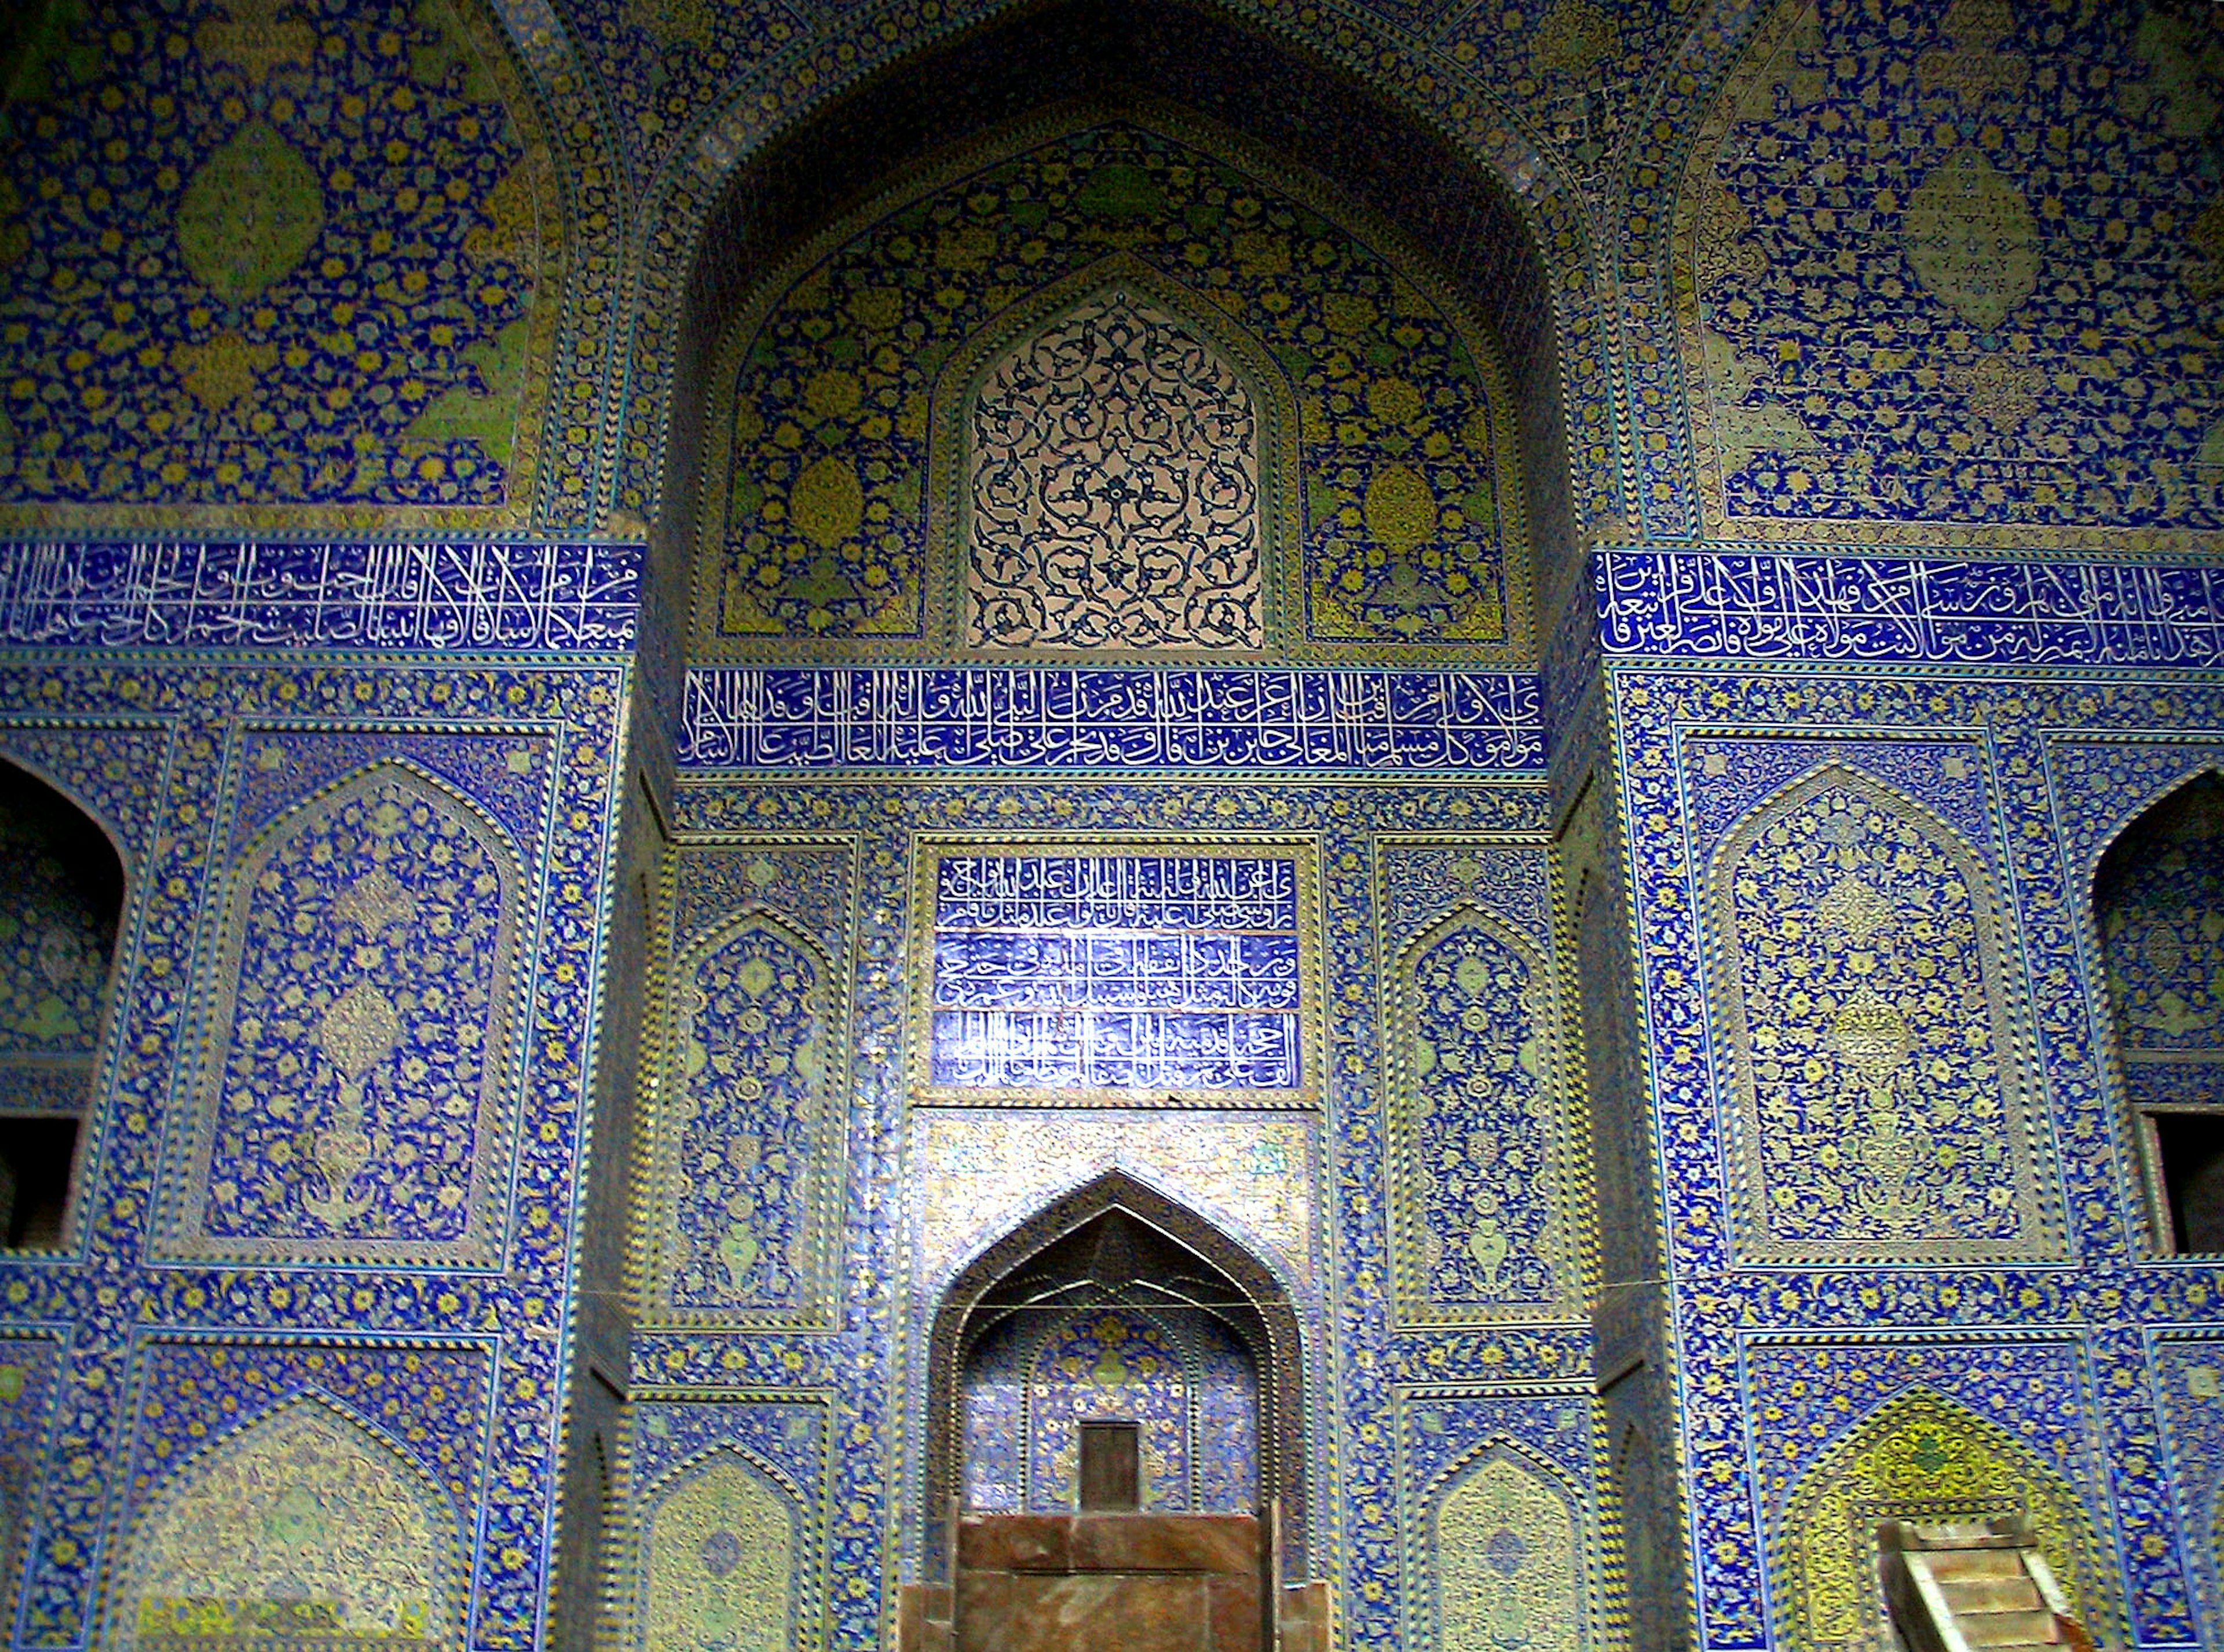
x,y
1115,1233
1280,98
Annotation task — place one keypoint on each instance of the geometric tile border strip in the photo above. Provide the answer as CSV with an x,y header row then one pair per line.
x,y
1063,717
1760,605
569,598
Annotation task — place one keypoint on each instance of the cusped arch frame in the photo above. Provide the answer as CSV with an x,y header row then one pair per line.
x,y
2142,1191
1422,1548
658,1235
119,1587
179,1236
112,834
706,241
807,1528
1564,1228
1280,1374
2064,1526
1722,990
957,391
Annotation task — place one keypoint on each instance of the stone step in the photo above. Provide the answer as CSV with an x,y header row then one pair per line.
x,y
2007,1628
1991,1594
1960,1563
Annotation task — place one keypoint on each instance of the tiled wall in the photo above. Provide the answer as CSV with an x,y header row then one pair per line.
x,y
1763,897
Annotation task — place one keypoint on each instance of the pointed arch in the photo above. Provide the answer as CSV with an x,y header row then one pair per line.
x,y
1230,368
306,1521
63,874
2157,907
1859,949
1478,1119
1365,112
1924,1457
804,546
1251,1298
721,1545
2127,811
1512,1563
381,916
746,1134
99,816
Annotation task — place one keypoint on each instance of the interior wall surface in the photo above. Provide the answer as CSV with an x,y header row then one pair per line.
x,y
1436,1258
421,1283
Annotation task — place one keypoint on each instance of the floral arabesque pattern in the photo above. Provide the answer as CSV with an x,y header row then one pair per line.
x,y
263,262
1877,1076
1117,1363
719,1557
1509,1561
1407,502
1115,491
1473,1114
1922,1458
360,1094
744,1133
1952,327
304,1529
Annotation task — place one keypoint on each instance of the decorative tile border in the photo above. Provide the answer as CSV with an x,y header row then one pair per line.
x,y
982,718
1841,608
563,598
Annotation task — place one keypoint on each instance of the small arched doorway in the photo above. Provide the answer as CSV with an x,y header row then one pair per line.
x,y
1114,1434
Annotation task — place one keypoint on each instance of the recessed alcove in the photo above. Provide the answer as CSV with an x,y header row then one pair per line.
x,y
1114,1416
61,895
959,114
2159,904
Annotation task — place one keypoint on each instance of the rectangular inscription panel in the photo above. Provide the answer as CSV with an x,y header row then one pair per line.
x,y
1138,975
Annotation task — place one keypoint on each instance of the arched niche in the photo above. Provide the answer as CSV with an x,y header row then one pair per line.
x,y
747,1132
1217,68
305,1527
62,902
1483,1219
720,1541
841,504
1112,1266
356,1096
1883,1101
1507,1540
2159,910
1113,405
1925,1458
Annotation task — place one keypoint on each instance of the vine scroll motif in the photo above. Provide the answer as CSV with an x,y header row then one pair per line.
x,y
1880,1090
1114,472
364,1038
743,1144
1480,1226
